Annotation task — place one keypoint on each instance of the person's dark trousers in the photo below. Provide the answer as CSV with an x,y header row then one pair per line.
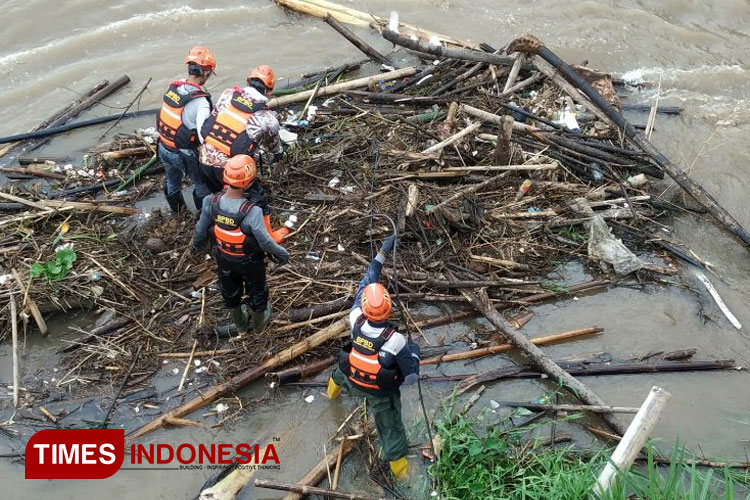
x,y
243,275
176,164
212,177
386,411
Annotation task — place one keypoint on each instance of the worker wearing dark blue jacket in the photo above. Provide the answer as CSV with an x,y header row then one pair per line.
x,y
378,361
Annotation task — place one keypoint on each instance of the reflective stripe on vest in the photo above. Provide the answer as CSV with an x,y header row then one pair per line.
x,y
230,238
227,131
169,125
364,364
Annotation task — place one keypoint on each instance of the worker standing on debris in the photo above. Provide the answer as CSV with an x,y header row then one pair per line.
x,y
378,361
242,241
241,124
185,107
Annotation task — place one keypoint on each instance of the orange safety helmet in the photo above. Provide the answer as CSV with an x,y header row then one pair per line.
x,y
240,171
202,57
265,74
376,303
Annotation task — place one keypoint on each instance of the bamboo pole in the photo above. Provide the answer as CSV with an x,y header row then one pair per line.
x,y
238,381
566,407
339,87
187,366
503,168
454,138
310,490
633,439
482,303
496,349
14,339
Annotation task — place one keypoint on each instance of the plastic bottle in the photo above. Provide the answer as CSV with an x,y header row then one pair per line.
x,y
523,189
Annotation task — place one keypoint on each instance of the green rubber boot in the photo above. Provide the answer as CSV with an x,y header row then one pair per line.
x,y
240,318
260,318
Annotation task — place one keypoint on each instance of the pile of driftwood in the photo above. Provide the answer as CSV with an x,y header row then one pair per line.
x,y
495,165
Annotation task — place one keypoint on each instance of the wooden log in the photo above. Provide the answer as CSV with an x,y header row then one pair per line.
x,y
46,123
334,330
482,303
502,263
492,118
126,153
363,46
321,8
296,373
454,138
317,310
34,172
520,58
343,86
451,52
532,45
634,438
79,108
320,471
504,148
230,485
496,349
310,490
566,407
53,205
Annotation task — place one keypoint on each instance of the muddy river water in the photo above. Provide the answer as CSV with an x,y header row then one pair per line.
x,y
701,51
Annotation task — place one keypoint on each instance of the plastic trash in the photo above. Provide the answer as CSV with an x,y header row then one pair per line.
x,y
637,180
523,189
334,182
596,172
569,120
605,247
393,22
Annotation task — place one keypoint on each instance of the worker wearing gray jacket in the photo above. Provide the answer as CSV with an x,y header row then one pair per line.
x,y
242,241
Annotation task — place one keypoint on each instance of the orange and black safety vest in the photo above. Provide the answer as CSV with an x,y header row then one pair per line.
x,y
230,239
172,131
227,131
363,365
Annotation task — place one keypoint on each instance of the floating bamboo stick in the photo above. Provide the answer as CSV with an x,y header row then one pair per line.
x,y
496,349
340,87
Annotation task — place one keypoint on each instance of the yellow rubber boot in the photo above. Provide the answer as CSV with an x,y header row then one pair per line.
x,y
399,468
333,390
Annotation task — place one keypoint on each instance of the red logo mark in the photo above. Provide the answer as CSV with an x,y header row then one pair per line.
x,y
75,453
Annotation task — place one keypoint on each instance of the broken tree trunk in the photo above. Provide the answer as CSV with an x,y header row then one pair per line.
x,y
298,372
496,349
238,381
633,439
565,407
532,45
503,148
363,46
482,303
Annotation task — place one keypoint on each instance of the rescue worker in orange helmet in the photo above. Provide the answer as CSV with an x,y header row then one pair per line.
x,y
185,107
242,241
241,124
377,362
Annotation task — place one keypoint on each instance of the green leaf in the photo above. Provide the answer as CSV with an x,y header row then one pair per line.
x,y
37,270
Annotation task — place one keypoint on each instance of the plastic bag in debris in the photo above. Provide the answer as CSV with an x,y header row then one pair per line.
x,y
605,247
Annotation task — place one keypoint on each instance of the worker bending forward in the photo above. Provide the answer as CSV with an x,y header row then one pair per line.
x,y
377,362
240,124
241,243
185,107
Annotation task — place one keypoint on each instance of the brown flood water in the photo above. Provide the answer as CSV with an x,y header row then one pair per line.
x,y
700,49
